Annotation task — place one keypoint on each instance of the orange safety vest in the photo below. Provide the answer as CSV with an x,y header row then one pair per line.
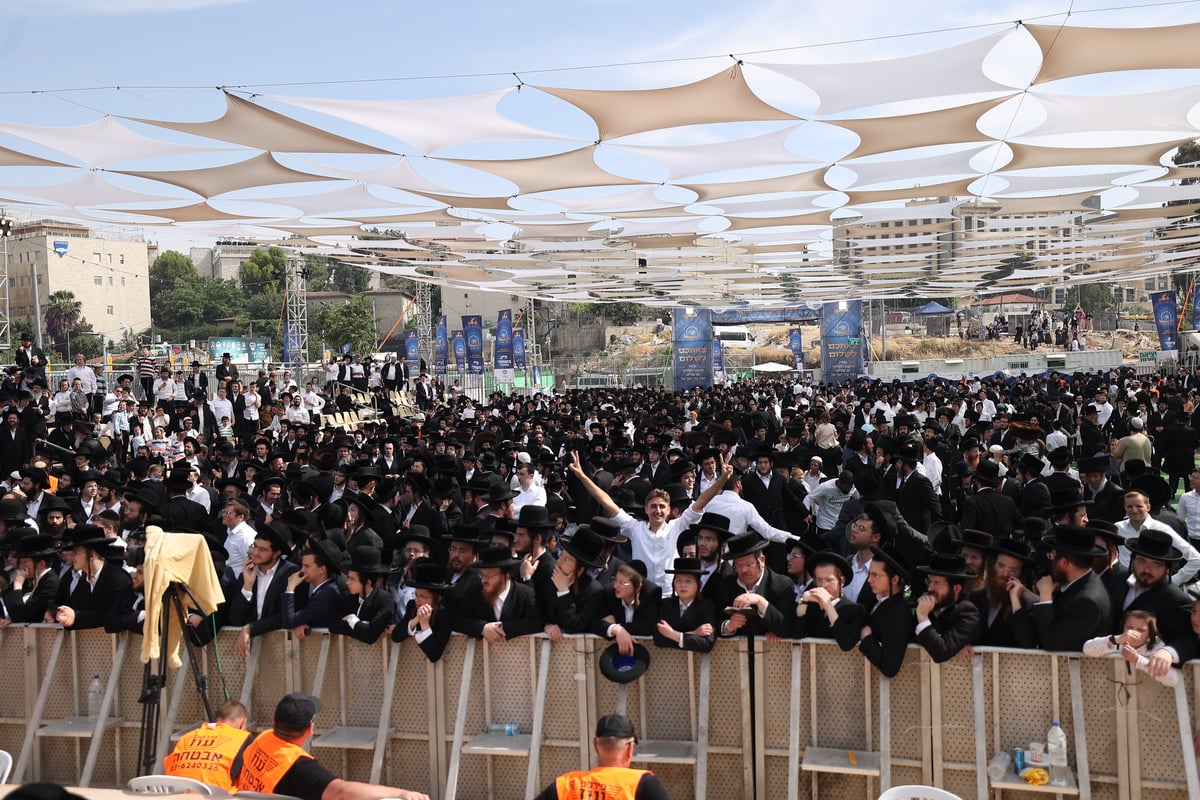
x,y
206,754
601,783
265,761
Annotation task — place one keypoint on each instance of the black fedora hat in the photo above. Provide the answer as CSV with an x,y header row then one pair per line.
x,y
829,557
496,558
1059,456
536,517
909,451
883,522
278,534
1064,500
429,575
367,560
1074,539
890,554
333,556
717,523
499,491
948,565
147,499
84,536
686,566
1010,547
1156,545
586,546
609,530
745,544
980,540
463,532
678,494
12,509
1031,464
415,533
624,669
987,472
1107,530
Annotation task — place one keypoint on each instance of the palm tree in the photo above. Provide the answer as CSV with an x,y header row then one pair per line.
x,y
63,313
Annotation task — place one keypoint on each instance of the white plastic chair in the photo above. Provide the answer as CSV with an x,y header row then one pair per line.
x,y
5,765
172,784
915,792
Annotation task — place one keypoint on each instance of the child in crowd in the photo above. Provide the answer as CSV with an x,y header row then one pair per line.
x,y
1137,641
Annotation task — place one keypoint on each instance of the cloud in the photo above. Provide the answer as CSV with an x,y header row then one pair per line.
x,y
124,7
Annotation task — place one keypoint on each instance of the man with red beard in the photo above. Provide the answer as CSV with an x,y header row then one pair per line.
x,y
496,608
1003,595
946,621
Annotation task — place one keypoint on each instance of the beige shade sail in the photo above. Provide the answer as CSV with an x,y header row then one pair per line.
x,y
93,190
1069,51
944,126
546,173
1031,155
261,170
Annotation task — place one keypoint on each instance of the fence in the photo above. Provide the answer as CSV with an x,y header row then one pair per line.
x,y
752,719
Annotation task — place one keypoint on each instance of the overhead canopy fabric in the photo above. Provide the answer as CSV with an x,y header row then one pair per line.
x,y
926,175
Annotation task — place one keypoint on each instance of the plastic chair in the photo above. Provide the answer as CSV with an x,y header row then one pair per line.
x,y
5,765
916,792
171,784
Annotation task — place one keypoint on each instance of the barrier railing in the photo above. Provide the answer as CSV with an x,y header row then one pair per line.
x,y
751,719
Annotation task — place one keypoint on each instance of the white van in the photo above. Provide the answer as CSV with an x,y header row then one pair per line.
x,y
734,337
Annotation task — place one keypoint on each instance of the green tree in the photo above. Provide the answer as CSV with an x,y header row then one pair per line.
x,y
1091,297
348,278
170,270
263,271
623,313
317,268
197,303
63,313
351,322
1187,154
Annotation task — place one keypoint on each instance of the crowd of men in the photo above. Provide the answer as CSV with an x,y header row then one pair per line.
x,y
1034,511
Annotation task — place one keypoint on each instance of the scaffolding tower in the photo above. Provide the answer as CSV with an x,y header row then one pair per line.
x,y
295,334
6,226
423,308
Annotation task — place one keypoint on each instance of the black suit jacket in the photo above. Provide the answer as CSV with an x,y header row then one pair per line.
x,y
846,631
245,612
781,603
1080,613
440,625
123,614
1107,504
1169,604
990,511
92,604
578,610
768,499
949,630
1034,498
519,614
918,503
318,608
891,623
16,448
377,612
40,599
645,616
701,611
1000,632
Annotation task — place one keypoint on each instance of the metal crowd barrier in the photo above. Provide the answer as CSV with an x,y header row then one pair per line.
x,y
752,719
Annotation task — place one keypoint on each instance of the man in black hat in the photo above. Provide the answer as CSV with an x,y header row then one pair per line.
x,y
84,601
687,620
1034,497
766,490
884,639
613,779
320,605
275,762
1002,595
821,610
574,600
764,599
1061,478
985,508
424,619
1154,558
497,608
946,620
1108,498
179,510
34,584
1073,605
257,608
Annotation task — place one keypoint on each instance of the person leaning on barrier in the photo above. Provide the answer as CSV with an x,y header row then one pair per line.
x,y
768,598
613,779
212,752
275,762
574,599
631,607
497,608
369,608
1002,594
128,609
946,620
1073,605
687,620
257,607
85,598
821,611
1149,589
884,639
34,582
425,619
322,598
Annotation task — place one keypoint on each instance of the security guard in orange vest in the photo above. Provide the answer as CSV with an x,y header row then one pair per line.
x,y
208,753
277,763
613,779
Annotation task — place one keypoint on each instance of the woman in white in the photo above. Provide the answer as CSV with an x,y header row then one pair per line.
x,y
1137,641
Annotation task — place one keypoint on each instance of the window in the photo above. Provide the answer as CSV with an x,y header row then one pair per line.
x,y
110,310
99,281
110,280
122,258
122,280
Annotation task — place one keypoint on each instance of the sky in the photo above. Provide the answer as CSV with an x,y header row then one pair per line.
x,y
61,59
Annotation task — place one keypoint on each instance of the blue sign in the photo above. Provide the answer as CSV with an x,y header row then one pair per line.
x,y
841,341
692,336
718,360
502,351
796,343
460,350
519,348
440,347
741,316
1166,319
291,345
412,351
60,247
473,328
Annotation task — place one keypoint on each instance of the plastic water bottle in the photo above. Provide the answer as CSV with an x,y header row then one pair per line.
x,y
998,766
506,728
95,696
1056,749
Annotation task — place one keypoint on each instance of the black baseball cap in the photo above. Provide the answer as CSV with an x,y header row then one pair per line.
x,y
615,726
296,712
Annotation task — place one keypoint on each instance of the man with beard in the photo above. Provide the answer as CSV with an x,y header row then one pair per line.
x,y
462,552
574,598
495,608
52,517
710,542
34,582
84,603
1113,574
1073,605
136,509
821,610
34,483
753,586
1108,499
1003,595
1149,588
946,621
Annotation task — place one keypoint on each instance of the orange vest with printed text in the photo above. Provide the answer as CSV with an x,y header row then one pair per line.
x,y
601,783
266,760
206,754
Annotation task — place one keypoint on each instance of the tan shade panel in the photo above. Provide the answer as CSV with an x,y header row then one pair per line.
x,y
251,125
571,229
399,174
795,220
797,204
104,142
1029,155
262,170
723,97
197,212
467,201
944,126
1069,51
15,158
642,198
810,181
1002,184
341,202
547,173
1161,195
949,189
431,124
953,70
1042,205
